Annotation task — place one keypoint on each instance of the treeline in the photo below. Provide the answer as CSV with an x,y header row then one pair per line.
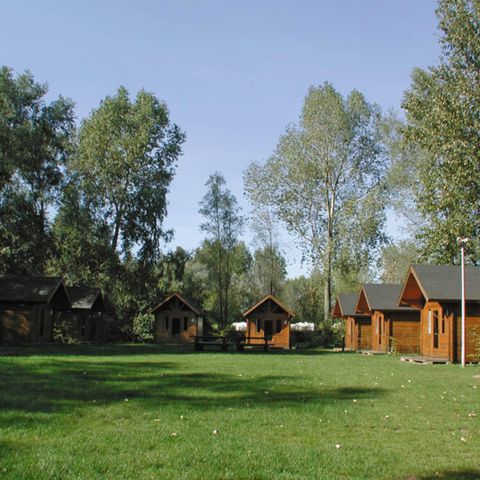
x,y
88,200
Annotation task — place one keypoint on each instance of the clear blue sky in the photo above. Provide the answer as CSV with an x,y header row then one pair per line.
x,y
233,73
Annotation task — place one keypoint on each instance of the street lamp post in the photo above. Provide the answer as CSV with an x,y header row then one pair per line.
x,y
462,242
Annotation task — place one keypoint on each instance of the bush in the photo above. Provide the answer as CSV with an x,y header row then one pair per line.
x,y
143,326
326,335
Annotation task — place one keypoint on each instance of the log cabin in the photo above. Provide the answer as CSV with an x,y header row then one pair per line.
x,y
393,328
29,307
83,321
357,326
268,321
177,320
436,291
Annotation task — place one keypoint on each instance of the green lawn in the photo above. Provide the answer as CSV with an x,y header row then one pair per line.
x,y
146,412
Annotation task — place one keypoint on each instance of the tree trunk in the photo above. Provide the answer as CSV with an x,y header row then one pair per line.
x,y
328,275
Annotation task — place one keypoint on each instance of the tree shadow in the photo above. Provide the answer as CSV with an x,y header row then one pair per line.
x,y
58,386
464,474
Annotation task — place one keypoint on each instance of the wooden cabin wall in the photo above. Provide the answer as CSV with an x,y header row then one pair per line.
x,y
364,333
279,339
472,322
22,323
378,336
350,334
79,325
163,334
403,327
444,348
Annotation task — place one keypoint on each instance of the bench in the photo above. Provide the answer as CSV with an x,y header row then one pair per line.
x,y
222,343
202,341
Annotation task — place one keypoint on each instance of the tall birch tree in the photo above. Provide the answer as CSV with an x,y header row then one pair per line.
x,y
324,181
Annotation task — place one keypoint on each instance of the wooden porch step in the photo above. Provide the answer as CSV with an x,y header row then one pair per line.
x,y
425,360
371,352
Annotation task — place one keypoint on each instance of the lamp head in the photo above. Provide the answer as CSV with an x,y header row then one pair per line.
x,y
462,242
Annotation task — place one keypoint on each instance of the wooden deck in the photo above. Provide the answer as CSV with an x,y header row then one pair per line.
x,y
425,360
372,352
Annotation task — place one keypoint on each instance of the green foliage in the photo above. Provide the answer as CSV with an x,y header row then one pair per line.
x,y
126,160
305,297
35,142
324,181
220,252
396,259
442,112
143,327
474,334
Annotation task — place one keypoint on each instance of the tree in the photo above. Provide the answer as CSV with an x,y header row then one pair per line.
x,y
126,161
396,259
324,181
36,139
442,113
269,265
223,224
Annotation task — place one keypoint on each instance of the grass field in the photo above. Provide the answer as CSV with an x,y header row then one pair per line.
x,y
146,412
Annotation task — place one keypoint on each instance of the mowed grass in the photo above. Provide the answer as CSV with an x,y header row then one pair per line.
x,y
150,412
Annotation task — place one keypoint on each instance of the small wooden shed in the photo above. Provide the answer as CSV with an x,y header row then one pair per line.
x,y
83,321
177,319
436,291
357,326
393,326
269,319
29,307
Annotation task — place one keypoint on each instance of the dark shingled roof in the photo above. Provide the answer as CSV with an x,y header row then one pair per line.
x,y
384,296
25,289
83,297
348,304
443,282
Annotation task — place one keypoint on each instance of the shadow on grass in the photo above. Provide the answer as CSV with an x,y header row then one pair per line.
x,y
115,349
450,475
56,386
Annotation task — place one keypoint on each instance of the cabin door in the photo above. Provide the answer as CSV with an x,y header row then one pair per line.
x,y
175,326
268,329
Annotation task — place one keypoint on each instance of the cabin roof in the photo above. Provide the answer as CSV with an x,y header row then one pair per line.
x,y
383,297
84,298
266,299
443,282
189,303
346,305
26,289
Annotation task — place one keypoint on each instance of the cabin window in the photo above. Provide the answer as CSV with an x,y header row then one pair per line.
x,y
443,324
41,329
259,324
185,323
278,326
379,328
167,323
430,322
435,328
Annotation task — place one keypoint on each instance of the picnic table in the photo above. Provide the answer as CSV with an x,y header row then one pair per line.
x,y
222,342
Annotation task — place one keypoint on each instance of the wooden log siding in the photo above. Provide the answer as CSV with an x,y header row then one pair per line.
x,y
29,307
177,321
436,290
271,320
357,327
393,327
442,331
